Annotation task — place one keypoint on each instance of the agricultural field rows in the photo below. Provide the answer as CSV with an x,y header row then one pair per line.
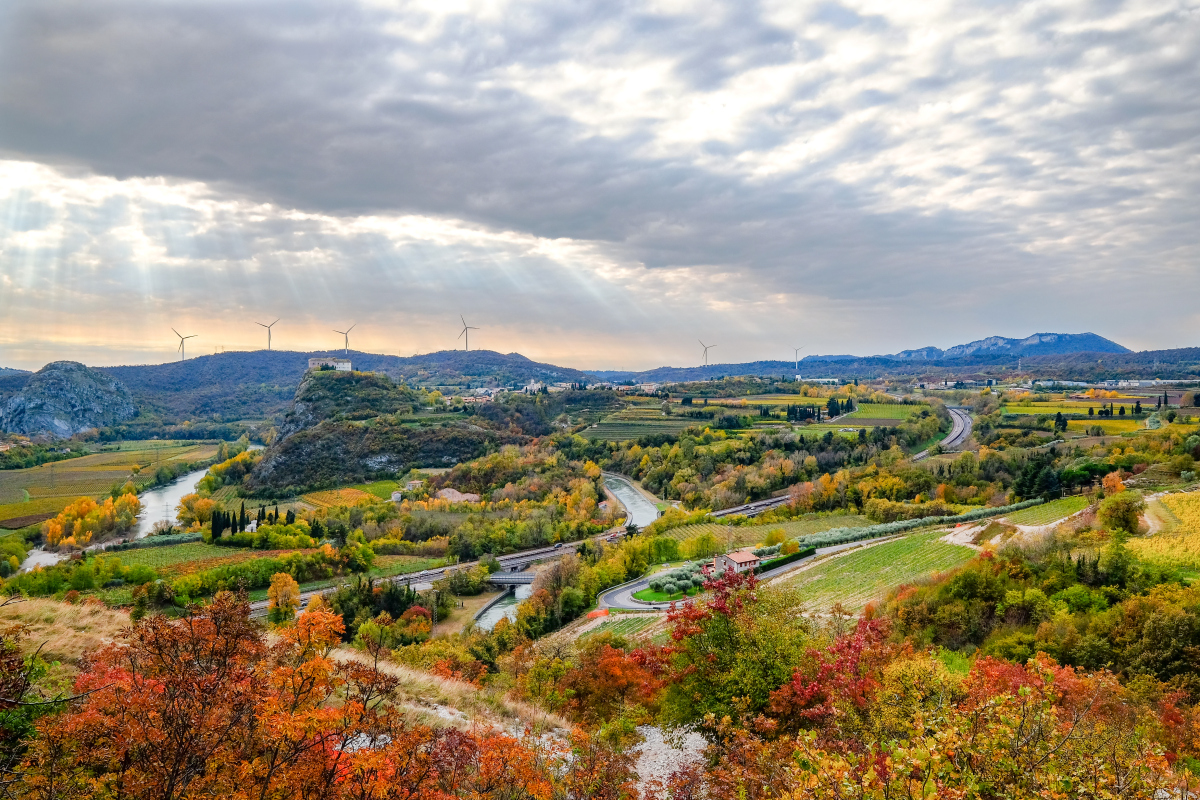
x,y
185,559
865,574
737,536
1186,509
1048,512
49,487
336,497
624,625
1110,425
1064,408
892,411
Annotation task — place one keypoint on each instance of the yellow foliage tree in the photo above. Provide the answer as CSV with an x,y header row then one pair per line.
x,y
284,595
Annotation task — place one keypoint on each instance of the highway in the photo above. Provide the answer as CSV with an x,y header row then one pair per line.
x,y
958,434
513,562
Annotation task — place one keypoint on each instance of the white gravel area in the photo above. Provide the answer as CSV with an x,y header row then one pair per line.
x,y
657,758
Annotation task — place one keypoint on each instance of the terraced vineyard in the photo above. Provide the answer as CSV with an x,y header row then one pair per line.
x,y
623,625
1048,512
739,536
865,574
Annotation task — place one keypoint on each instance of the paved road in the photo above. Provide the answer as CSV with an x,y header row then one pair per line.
x,y
958,434
621,598
509,563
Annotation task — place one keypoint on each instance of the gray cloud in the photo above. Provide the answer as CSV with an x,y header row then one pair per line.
x,y
851,162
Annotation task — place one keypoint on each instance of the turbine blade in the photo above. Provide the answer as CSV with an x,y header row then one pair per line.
x,y
176,332
352,327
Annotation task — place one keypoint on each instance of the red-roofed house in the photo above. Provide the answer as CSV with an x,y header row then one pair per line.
x,y
738,561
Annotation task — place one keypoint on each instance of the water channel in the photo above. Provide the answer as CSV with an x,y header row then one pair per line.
x,y
640,509
504,608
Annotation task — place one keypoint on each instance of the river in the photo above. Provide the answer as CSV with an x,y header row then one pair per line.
x,y
504,608
641,511
158,503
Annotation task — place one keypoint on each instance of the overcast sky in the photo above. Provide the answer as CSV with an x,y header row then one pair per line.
x,y
596,184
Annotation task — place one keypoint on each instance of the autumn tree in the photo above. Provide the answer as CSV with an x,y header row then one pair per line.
x,y
284,595
203,707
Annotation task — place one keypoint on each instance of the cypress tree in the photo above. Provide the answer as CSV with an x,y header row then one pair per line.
x,y
291,516
262,514
243,520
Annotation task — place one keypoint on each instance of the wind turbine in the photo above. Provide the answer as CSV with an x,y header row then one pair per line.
x,y
345,333
706,347
467,339
268,327
797,355
182,339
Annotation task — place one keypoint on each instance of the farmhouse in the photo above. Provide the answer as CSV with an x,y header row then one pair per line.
x,y
738,561
339,364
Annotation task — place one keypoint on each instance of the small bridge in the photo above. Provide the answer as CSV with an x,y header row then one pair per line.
x,y
511,578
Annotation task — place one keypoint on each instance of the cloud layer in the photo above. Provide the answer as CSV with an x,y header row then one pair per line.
x,y
596,183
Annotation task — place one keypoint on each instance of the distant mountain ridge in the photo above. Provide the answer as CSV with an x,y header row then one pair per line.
x,y
1039,344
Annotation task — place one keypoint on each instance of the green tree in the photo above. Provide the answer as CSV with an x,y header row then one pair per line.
x,y
1120,512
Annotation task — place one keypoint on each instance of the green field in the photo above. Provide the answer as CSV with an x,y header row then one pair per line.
x,y
638,421
381,489
896,411
1049,512
739,536
622,626
662,597
866,574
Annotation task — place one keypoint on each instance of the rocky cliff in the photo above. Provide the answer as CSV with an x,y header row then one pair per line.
x,y
65,398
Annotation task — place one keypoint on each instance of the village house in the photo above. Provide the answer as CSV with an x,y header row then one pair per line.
x,y
738,561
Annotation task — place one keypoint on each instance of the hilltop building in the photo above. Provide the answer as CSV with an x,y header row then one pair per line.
x,y
339,364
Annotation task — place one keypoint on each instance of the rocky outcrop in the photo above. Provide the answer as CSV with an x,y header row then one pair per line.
x,y
65,398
